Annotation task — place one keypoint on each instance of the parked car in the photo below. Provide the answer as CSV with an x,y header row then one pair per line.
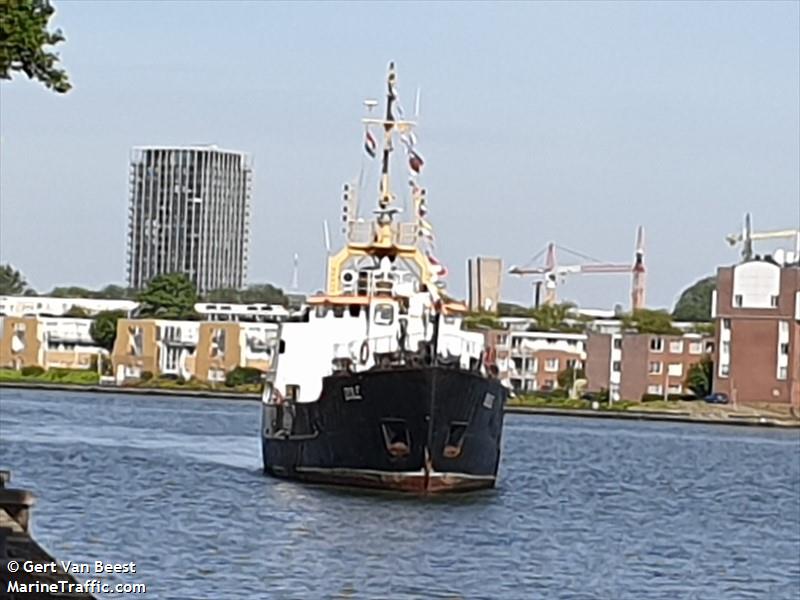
x,y
717,398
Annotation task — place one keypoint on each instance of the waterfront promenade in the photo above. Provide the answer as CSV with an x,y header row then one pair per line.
x,y
686,412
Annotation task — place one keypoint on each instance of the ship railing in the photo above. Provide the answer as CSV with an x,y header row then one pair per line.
x,y
450,347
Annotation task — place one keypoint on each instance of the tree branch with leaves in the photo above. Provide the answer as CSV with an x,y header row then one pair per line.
x,y
24,42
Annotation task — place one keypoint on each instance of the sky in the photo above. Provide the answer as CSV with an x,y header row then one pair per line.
x,y
566,122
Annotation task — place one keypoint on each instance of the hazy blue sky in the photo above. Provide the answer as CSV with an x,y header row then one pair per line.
x,y
572,122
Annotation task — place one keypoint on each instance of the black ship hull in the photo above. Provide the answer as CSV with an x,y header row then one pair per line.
x,y
416,429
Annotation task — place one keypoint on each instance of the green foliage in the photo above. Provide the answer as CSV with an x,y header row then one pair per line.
x,y
147,375
650,321
243,376
549,401
23,43
109,292
694,303
169,296
704,328
31,371
262,293
104,328
556,317
700,377
482,320
67,376
567,377
71,292
12,282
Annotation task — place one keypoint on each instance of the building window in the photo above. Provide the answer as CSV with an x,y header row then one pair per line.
x,y
695,347
675,388
654,388
676,347
726,323
551,365
654,368
782,372
774,301
785,349
675,370
617,343
501,340
657,344
724,370
709,347
737,301
616,366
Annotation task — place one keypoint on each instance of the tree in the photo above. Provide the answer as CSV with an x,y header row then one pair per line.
x,y
115,292
243,376
694,303
555,317
650,321
12,282
71,291
168,296
77,312
23,41
567,377
104,328
261,293
700,376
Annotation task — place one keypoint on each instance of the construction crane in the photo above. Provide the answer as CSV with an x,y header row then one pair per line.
x,y
748,236
551,274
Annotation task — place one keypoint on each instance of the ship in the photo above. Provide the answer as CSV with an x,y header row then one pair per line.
x,y
377,383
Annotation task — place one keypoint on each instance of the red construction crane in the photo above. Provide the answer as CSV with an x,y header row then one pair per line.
x,y
552,274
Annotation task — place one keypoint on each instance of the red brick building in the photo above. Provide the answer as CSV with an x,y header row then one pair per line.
x,y
630,365
757,317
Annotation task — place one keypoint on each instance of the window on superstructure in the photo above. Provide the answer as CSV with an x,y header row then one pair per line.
x,y
384,314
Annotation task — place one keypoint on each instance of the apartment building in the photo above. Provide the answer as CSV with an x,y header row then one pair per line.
x,y
630,365
189,213
757,316
47,342
530,361
204,350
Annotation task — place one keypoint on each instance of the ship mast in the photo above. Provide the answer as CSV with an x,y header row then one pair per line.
x,y
386,194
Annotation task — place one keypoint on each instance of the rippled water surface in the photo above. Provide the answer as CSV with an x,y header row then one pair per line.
x,y
585,509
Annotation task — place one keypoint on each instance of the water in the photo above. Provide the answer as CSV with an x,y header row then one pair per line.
x,y
585,509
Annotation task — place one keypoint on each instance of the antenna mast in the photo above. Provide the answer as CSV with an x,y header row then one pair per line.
x,y
386,195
